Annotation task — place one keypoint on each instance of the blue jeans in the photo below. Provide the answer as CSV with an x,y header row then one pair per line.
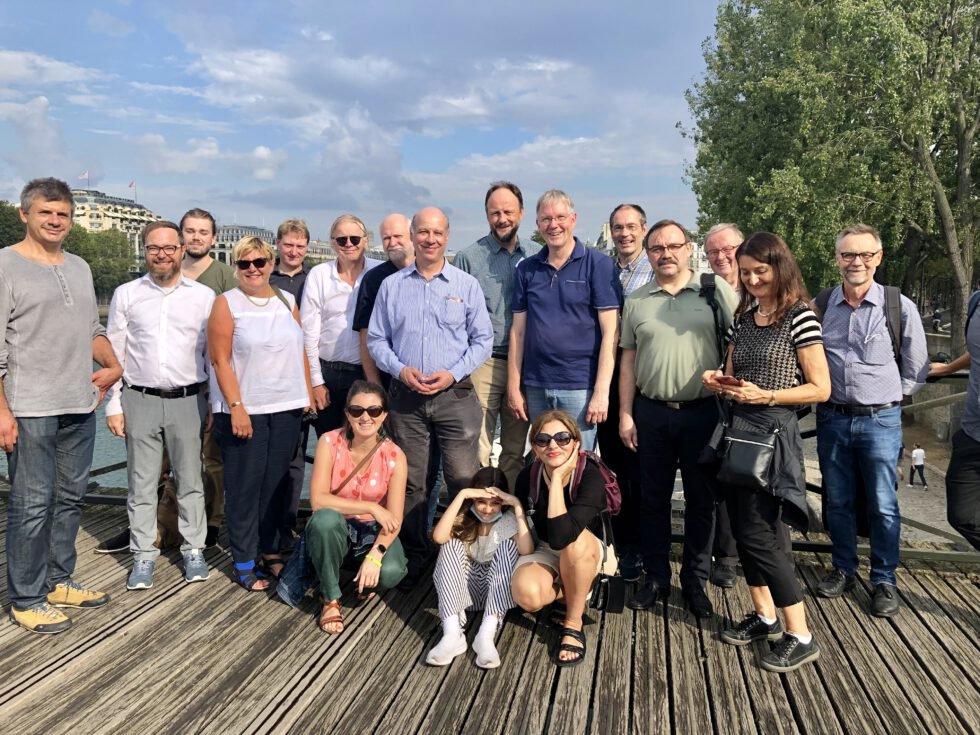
x,y
573,402
848,445
49,475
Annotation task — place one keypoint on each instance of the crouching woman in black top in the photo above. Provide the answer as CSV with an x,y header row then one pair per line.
x,y
569,552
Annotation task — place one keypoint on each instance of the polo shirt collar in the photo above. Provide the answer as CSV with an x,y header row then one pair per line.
x,y
496,246
693,284
277,272
577,252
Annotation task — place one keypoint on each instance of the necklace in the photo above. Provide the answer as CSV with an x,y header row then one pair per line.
x,y
253,301
765,314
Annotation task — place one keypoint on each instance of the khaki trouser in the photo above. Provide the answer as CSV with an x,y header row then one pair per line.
x,y
490,386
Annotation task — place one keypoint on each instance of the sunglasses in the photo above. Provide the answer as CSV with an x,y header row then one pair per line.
x,y
259,263
355,412
562,439
355,240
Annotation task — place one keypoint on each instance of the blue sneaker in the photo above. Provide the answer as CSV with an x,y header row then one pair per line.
x,y
141,578
195,567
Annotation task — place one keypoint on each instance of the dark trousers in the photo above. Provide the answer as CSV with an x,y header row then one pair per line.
x,y
452,419
725,549
917,468
254,472
667,438
755,520
625,464
287,495
963,488
337,383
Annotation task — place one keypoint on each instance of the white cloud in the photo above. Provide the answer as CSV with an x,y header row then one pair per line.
x,y
316,33
26,68
166,89
40,150
204,156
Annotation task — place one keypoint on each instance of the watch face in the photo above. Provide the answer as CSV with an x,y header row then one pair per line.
x,y
382,548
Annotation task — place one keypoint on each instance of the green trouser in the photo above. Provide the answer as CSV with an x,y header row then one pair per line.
x,y
327,544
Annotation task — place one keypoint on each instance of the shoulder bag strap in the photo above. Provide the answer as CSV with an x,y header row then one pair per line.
x,y
360,466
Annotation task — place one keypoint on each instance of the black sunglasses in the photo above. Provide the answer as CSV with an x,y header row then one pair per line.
x,y
562,439
355,240
259,263
356,412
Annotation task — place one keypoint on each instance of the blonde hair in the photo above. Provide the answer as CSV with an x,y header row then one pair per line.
x,y
249,244
350,218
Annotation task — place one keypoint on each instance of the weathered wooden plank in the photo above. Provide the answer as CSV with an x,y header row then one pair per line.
x,y
728,693
538,676
570,707
651,686
956,608
690,710
611,711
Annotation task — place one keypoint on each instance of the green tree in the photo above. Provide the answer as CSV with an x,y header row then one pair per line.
x,y
812,115
536,236
107,254
11,228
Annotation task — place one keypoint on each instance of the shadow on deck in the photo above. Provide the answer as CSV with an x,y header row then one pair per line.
x,y
208,657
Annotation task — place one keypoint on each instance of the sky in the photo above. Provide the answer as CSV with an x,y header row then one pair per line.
x,y
263,111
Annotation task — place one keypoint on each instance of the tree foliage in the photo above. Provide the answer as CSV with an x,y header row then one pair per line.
x,y
108,254
813,115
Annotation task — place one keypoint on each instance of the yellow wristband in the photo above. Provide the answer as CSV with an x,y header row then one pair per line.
x,y
373,561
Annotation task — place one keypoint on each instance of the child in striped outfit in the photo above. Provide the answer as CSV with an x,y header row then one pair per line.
x,y
481,535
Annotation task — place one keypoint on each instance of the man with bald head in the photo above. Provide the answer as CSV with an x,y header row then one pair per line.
x,y
396,240
429,331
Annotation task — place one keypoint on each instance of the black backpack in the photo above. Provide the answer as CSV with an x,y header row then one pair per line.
x,y
707,292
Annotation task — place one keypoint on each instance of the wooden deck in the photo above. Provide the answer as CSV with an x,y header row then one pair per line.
x,y
210,658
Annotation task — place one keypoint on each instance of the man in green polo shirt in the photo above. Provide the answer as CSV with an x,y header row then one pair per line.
x,y
668,339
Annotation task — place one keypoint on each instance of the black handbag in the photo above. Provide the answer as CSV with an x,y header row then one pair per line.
x,y
608,590
746,457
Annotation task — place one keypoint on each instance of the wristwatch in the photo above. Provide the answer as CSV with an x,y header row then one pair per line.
x,y
772,398
382,548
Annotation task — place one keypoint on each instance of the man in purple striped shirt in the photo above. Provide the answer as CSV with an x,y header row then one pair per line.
x,y
859,430
429,330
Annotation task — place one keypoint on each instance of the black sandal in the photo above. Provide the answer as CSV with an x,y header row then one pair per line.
x,y
570,648
265,565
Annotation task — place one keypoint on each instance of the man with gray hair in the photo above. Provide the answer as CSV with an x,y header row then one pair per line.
x,y
859,430
48,396
492,260
563,335
720,245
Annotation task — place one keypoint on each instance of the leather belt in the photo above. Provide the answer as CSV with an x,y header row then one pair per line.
x,y
678,405
187,390
855,409
347,367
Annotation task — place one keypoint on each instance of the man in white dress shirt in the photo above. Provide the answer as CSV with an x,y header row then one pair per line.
x,y
327,313
158,328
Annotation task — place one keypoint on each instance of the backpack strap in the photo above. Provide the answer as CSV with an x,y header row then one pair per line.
x,y
971,308
537,476
893,318
707,292
285,302
821,300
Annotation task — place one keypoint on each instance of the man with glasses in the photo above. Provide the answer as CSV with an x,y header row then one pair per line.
x,y
327,312
158,327
492,260
563,334
666,415
720,245
628,223
430,330
859,430
48,394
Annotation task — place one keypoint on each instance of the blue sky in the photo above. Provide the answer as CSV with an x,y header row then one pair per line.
x,y
259,111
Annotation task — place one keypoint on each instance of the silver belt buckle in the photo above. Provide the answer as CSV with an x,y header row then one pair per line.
x,y
673,404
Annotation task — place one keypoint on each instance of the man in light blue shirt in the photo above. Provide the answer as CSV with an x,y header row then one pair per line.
x,y
430,330
859,430
492,261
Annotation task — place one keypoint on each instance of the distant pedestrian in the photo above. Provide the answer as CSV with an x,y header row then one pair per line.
x,y
918,465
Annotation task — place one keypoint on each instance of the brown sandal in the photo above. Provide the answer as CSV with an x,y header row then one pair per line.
x,y
330,615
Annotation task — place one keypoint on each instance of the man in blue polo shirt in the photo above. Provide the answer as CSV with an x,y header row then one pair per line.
x,y
563,334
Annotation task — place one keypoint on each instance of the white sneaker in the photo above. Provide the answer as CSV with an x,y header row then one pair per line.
x,y
486,652
448,648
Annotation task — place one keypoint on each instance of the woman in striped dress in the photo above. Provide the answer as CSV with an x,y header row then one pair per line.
x,y
481,535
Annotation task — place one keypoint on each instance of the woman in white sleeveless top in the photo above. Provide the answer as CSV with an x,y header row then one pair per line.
x,y
260,388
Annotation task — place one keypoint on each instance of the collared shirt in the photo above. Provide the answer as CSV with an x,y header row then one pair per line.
x,y
159,335
367,294
562,335
434,325
294,283
493,266
49,318
638,272
859,350
327,313
674,337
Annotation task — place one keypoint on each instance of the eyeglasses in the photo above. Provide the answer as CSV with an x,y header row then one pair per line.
x,y
355,240
259,263
559,220
674,248
562,439
355,412
866,257
157,249
720,251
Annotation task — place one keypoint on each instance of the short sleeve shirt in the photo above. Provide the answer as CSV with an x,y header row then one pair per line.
x,y
766,355
562,333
